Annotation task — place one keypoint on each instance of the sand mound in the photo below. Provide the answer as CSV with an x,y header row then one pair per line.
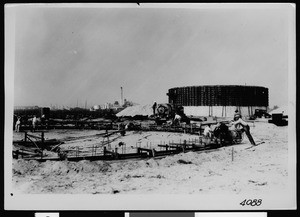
x,y
22,167
281,110
143,110
192,158
25,167
178,159
238,169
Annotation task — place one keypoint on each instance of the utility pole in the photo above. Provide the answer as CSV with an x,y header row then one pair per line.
x,y
122,96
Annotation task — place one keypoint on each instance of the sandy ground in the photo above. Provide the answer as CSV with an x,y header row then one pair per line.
x,y
260,169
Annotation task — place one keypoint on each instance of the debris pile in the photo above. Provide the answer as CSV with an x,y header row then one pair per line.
x,y
137,110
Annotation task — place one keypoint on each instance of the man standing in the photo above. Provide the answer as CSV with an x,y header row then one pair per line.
x,y
18,123
34,121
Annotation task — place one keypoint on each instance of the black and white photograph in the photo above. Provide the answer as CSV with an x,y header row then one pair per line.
x,y
150,106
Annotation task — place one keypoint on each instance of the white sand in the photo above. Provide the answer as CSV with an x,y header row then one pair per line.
x,y
260,169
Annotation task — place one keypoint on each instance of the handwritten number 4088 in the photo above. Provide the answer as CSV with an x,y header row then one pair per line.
x,y
249,202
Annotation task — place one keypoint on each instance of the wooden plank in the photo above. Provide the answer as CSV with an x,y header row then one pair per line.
x,y
34,136
168,146
181,144
145,149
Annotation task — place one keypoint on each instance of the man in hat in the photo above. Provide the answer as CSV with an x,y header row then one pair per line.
x,y
237,115
239,123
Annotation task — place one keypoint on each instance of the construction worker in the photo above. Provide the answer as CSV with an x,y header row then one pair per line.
x,y
18,123
237,115
221,131
207,131
177,119
239,123
34,121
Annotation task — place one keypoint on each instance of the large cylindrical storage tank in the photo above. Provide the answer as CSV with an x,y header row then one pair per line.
x,y
219,100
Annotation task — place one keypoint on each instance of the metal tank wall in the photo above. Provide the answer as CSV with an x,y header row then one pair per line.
x,y
220,100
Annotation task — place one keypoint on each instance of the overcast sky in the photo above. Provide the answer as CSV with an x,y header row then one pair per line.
x,y
67,54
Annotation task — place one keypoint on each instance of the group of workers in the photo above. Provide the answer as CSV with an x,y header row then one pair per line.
x,y
34,123
237,123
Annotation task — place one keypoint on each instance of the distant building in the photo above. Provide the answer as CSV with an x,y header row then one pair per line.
x,y
26,107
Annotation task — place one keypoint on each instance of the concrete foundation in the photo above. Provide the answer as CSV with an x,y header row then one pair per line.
x,y
220,111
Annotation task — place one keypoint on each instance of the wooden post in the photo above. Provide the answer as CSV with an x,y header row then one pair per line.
x,y
43,138
115,154
153,152
222,110
104,150
109,146
200,129
17,154
25,139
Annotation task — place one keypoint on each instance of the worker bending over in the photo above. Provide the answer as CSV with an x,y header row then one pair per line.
x,y
177,119
240,123
207,131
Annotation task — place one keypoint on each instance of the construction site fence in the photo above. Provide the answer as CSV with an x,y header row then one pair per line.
x,y
98,152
